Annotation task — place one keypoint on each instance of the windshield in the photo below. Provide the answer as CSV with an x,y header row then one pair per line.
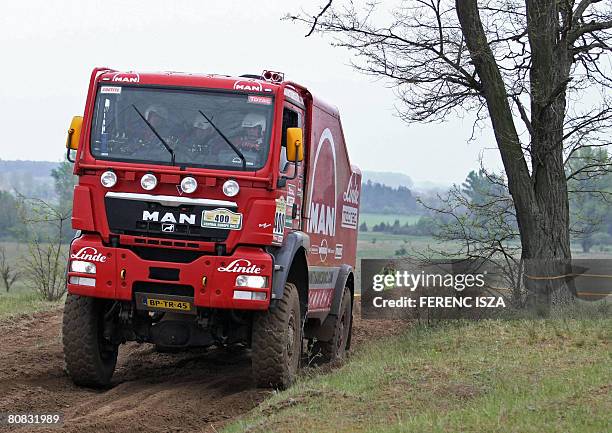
x,y
182,127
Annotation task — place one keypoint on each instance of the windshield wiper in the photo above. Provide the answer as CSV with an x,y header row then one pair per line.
x,y
168,148
234,148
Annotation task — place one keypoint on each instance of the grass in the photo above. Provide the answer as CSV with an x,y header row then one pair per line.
x,y
21,299
482,377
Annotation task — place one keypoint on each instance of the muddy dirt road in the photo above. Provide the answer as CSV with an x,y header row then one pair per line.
x,y
152,392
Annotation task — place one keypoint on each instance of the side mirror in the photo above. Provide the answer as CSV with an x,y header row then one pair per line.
x,y
295,149
295,153
74,135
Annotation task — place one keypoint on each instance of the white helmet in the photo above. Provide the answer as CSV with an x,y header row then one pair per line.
x,y
252,120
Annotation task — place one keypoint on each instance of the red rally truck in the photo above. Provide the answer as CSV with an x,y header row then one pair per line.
x,y
210,210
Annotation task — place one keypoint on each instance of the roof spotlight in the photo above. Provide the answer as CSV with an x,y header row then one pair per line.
x,y
273,76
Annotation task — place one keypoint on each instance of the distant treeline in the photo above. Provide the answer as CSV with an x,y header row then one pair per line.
x,y
30,178
31,193
379,198
425,226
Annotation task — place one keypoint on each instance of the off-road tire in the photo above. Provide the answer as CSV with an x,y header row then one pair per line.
x,y
336,348
90,359
277,342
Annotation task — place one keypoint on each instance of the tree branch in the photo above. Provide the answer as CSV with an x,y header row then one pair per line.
x,y
316,18
589,28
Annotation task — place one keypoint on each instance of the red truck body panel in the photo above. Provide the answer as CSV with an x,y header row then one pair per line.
x,y
332,203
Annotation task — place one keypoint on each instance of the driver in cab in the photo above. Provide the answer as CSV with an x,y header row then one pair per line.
x,y
248,139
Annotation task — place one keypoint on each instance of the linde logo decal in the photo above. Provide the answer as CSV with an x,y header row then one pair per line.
x,y
251,86
89,253
169,217
242,266
351,195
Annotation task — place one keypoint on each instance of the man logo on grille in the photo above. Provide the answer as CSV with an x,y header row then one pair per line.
x,y
167,228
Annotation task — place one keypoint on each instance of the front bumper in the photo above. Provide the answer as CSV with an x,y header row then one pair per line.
x,y
213,278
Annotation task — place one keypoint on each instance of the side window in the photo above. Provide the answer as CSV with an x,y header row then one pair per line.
x,y
291,119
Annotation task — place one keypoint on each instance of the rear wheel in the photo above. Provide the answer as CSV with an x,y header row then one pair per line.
x,y
277,341
90,358
335,349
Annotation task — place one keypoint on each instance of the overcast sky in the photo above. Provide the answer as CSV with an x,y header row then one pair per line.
x,y
48,49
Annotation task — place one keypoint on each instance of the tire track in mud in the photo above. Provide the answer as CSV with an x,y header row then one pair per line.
x,y
197,390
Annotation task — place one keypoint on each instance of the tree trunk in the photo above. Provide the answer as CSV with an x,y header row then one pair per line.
x,y
540,198
549,73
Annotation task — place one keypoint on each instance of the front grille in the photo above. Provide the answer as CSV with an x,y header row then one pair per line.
x,y
163,289
127,217
166,254
167,274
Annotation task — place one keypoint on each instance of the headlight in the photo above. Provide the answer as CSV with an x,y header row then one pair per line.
x,y
82,267
254,281
108,179
148,181
189,185
231,188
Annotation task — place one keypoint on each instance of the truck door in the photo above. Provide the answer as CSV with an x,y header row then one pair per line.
x,y
293,117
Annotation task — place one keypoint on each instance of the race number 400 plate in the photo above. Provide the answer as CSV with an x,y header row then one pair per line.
x,y
223,219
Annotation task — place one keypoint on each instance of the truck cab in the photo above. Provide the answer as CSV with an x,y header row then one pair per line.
x,y
210,210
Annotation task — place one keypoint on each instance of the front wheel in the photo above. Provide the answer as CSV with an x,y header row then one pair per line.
x,y
277,341
90,358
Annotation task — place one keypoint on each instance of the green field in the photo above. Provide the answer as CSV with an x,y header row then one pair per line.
x,y
479,377
385,245
371,219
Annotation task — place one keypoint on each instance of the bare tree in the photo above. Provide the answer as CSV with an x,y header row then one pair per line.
x,y
45,263
533,68
479,220
7,271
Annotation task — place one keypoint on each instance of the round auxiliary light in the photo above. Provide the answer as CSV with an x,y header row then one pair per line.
x,y
231,188
108,179
148,181
189,185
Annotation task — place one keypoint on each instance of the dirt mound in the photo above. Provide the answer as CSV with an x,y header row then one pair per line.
x,y
197,390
